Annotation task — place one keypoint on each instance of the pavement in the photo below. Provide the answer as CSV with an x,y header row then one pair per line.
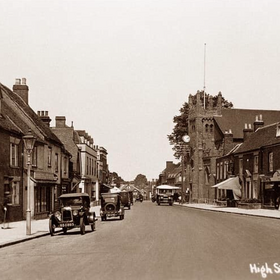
x,y
15,232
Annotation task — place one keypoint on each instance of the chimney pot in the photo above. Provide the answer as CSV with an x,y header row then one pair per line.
x,y
38,113
24,81
18,82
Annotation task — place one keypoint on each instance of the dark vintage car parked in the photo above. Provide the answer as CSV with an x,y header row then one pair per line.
x,y
74,212
131,197
111,206
125,199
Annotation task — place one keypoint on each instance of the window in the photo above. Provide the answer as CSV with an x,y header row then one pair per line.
x,y
15,193
211,128
256,164
206,128
56,162
270,162
49,156
65,165
14,154
278,130
218,171
225,169
240,167
221,170
34,156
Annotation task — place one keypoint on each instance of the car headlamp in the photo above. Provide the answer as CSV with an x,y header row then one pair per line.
x,y
57,215
75,212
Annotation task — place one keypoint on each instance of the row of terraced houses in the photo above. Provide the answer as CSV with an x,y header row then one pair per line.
x,y
229,143
63,159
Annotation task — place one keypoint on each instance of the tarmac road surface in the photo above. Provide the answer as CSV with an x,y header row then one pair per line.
x,y
153,242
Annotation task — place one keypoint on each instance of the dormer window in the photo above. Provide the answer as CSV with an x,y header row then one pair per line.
x,y
278,130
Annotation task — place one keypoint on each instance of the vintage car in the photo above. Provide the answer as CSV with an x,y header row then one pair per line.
x,y
111,206
131,197
125,199
74,212
165,194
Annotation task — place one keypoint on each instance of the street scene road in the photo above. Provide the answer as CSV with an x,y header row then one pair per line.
x,y
152,242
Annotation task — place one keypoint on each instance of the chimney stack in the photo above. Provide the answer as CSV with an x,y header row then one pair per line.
x,y
60,121
44,116
247,131
258,122
21,89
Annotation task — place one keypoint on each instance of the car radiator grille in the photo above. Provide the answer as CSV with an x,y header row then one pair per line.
x,y
66,215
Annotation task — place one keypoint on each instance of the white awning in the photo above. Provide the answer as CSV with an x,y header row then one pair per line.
x,y
167,187
231,184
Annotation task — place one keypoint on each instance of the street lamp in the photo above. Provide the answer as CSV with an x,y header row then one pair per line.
x,y
186,139
29,141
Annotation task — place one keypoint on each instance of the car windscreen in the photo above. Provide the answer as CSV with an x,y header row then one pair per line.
x,y
163,191
71,201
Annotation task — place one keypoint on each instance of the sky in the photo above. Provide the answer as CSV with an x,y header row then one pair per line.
x,y
122,69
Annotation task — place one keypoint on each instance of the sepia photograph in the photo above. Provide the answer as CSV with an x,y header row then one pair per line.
x,y
139,139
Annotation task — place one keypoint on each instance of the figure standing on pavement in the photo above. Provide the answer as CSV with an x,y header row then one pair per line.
x,y
5,212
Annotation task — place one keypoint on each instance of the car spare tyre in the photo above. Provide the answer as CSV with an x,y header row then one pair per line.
x,y
110,207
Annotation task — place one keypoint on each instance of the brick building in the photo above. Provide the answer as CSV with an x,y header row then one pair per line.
x,y
214,131
49,159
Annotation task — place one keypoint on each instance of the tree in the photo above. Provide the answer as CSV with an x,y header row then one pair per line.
x,y
140,181
180,129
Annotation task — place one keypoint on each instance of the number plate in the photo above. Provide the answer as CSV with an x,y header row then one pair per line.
x,y
66,224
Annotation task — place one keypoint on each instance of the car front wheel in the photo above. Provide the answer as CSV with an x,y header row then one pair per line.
x,y
51,227
82,226
64,230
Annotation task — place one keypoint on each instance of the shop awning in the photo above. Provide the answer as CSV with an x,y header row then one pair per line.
x,y
231,184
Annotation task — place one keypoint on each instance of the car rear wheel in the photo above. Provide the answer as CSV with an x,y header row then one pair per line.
x,y
82,226
51,227
93,226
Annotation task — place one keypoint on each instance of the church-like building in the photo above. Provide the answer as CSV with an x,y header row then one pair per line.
x,y
215,129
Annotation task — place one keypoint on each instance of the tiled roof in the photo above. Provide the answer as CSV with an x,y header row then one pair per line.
x,y
264,136
19,117
235,119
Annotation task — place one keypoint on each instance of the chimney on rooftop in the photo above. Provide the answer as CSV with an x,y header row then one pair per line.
x,y
21,89
44,116
60,121
258,122
247,131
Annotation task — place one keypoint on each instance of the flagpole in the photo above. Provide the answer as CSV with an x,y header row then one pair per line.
x,y
204,75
